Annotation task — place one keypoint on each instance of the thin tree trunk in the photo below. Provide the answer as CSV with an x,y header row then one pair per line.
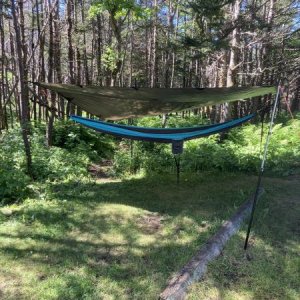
x,y
154,47
85,60
21,49
49,132
3,56
42,72
70,9
33,66
232,66
99,51
57,59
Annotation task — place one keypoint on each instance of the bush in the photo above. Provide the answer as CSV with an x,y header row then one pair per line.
x,y
240,151
75,148
70,136
13,182
56,164
151,157
49,164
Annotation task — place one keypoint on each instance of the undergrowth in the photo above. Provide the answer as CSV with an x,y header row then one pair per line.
x,y
76,147
241,150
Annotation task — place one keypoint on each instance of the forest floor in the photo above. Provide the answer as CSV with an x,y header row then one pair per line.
x,y
123,239
270,269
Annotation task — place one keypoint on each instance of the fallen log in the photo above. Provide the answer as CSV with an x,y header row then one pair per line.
x,y
196,267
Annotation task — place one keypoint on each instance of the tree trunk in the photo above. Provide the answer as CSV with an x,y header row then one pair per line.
x,y
42,72
3,57
21,49
70,10
57,59
116,28
49,131
85,60
231,79
99,51
154,47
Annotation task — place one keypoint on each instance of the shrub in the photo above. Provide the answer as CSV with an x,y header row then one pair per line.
x,y
13,182
70,136
240,151
75,148
49,164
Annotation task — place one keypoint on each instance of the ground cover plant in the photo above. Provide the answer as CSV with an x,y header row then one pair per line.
x,y
270,269
124,240
239,151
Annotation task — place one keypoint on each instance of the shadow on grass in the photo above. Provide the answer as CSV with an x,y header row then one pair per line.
x,y
90,240
270,267
83,259
263,272
102,231
196,194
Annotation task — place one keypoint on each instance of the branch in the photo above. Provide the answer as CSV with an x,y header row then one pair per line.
x,y
11,92
42,32
50,108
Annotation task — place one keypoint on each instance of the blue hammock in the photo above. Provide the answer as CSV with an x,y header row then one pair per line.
x,y
150,129
161,135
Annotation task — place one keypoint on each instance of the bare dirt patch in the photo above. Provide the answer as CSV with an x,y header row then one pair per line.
x,y
102,171
150,223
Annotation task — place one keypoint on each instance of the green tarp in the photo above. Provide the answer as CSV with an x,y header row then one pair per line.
x,y
113,103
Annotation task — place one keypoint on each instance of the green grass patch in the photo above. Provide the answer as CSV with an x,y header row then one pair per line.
x,y
123,240
116,240
270,269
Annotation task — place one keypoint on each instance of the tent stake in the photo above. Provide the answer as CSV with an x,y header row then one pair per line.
x,y
253,209
262,165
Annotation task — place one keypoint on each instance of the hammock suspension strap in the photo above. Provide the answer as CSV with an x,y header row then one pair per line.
x,y
177,163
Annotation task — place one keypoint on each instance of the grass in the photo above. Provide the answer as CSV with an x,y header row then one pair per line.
x,y
123,240
270,269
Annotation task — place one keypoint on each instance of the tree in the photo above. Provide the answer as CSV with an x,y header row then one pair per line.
x,y
118,11
21,47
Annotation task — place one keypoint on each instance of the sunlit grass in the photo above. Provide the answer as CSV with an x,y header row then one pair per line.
x,y
270,269
123,240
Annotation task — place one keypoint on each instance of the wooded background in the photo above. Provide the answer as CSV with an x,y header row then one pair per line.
x,y
149,43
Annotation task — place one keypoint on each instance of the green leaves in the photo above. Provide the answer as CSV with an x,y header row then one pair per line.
x,y
118,8
74,148
13,181
109,58
239,152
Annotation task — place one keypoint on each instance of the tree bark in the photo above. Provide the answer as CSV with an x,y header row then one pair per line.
x,y
49,131
2,61
70,11
21,49
231,79
57,58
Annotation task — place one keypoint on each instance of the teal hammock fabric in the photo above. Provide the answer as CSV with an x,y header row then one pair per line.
x,y
150,129
161,135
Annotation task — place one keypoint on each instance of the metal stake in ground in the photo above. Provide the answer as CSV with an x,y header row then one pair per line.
x,y
262,164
